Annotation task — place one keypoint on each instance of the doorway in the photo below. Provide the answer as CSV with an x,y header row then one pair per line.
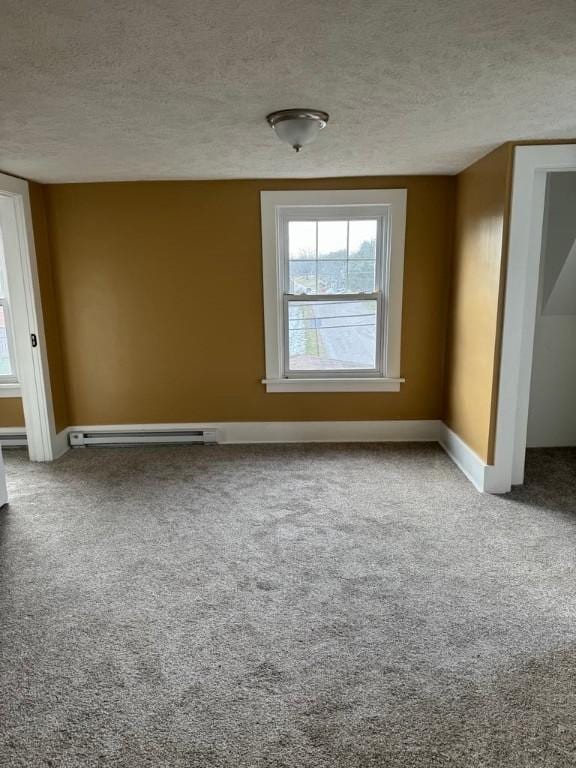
x,y
533,167
25,360
552,405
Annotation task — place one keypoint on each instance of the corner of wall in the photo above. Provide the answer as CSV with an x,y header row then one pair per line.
x,y
448,302
508,149
475,305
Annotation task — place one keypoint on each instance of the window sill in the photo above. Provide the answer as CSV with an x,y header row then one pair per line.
x,y
333,385
10,390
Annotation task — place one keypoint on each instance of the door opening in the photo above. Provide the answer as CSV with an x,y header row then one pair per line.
x,y
552,407
532,167
23,355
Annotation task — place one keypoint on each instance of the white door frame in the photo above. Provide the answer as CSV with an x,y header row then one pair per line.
x,y
27,319
531,166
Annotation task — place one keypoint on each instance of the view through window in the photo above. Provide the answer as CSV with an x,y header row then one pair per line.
x,y
7,367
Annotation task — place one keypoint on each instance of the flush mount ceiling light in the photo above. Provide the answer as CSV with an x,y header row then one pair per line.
x,y
297,126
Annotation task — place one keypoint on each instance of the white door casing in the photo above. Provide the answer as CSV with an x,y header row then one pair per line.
x,y
27,318
531,166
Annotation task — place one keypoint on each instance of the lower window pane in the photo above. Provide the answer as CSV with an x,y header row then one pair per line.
x,y
332,335
5,365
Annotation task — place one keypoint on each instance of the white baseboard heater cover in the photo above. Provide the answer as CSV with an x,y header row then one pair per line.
x,y
136,437
13,440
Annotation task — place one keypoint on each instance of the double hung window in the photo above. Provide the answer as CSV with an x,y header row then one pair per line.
x,y
333,289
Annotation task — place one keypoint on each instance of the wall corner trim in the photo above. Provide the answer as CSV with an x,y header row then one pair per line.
x,y
60,443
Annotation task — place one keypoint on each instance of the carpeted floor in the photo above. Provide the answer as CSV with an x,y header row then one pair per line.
x,y
316,606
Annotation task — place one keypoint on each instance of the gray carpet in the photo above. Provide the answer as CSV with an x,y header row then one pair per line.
x,y
286,607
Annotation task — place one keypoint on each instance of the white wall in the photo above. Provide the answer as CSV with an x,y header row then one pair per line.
x,y
552,412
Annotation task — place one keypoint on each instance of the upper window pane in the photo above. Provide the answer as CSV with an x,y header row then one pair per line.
x,y
363,234
333,240
361,276
332,256
332,276
302,240
303,276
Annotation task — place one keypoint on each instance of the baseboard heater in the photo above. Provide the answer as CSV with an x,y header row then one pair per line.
x,y
13,440
79,439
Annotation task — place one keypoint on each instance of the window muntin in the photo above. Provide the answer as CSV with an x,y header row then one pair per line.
x,y
333,279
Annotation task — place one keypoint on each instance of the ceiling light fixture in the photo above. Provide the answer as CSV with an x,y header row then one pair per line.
x,y
297,126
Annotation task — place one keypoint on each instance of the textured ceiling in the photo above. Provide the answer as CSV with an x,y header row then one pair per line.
x,y
155,89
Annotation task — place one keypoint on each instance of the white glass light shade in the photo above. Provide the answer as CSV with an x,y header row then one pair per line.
x,y
297,127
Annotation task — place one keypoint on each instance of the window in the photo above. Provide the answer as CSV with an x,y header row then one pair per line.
x,y
8,376
333,264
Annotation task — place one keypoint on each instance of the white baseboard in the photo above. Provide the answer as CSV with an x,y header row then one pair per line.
x,y
464,457
15,437
486,477
567,442
497,480
60,443
294,431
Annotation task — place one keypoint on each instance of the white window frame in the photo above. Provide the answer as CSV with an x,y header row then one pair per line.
x,y
279,207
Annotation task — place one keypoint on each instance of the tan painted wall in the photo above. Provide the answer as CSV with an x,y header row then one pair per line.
x,y
11,414
159,291
474,327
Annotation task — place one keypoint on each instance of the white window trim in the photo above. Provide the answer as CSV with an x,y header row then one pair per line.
x,y
10,390
276,381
